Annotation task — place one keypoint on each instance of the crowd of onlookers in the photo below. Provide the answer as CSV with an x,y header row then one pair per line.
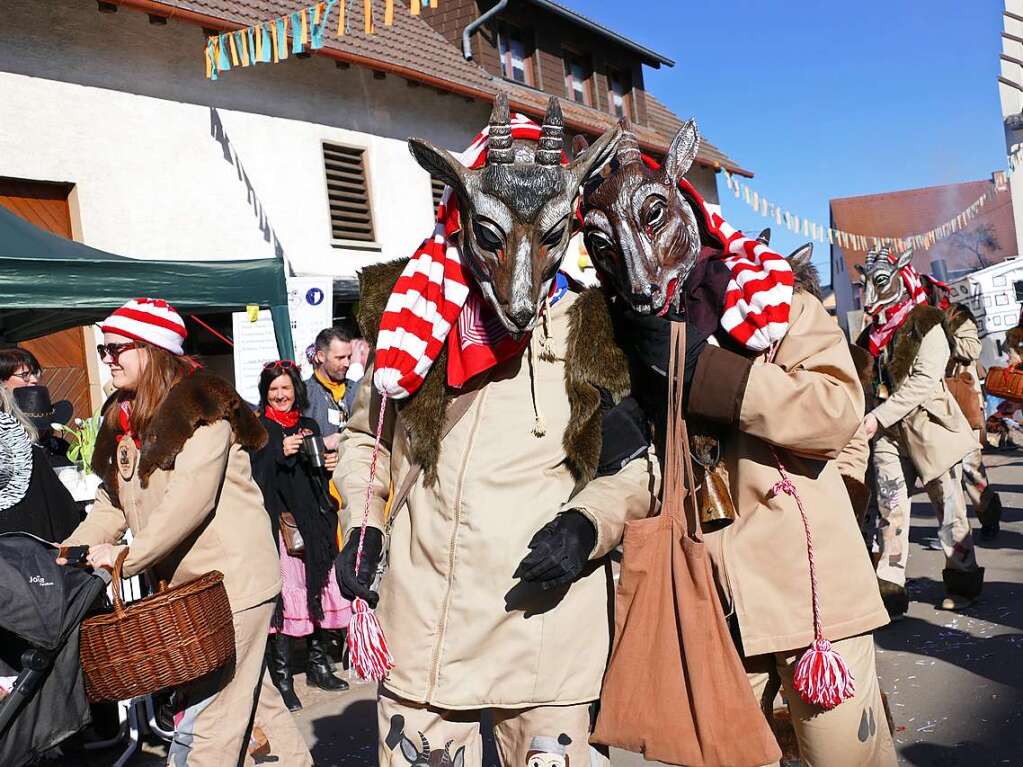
x,y
287,473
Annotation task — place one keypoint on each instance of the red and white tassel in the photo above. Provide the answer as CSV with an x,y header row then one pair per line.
x,y
822,677
367,647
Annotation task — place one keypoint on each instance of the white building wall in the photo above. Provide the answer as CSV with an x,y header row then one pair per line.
x,y
1012,104
169,165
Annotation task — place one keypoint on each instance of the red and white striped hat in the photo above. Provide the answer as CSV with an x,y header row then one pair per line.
x,y
151,320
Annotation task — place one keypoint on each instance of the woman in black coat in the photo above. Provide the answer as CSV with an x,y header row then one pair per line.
x,y
310,599
32,499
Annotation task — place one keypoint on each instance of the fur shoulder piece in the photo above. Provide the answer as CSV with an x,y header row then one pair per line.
x,y
593,361
805,274
906,343
1014,339
422,414
198,400
375,285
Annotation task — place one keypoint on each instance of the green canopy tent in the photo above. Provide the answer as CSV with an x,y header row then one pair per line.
x,y
49,283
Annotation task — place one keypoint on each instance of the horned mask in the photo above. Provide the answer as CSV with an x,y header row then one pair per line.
x,y
882,283
516,210
640,230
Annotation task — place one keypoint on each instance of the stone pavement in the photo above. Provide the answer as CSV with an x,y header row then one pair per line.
x,y
954,681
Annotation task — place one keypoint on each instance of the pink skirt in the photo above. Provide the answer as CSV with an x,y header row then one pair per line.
x,y
337,611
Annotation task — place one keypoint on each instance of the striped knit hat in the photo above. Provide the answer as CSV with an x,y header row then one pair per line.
x,y
151,320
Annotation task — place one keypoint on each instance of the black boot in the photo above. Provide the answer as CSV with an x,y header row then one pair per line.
x,y
989,512
962,587
278,663
895,598
318,673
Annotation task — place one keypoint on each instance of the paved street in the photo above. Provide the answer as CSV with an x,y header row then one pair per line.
x,y
955,682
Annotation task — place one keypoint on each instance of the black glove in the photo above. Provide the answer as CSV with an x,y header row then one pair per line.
x,y
651,341
354,585
559,551
625,435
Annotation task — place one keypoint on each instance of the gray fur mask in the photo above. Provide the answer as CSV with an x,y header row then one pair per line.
x,y
516,211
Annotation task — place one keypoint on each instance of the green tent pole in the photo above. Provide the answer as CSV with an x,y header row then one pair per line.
x,y
282,331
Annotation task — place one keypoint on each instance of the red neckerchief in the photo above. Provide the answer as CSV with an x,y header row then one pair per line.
x,y
288,420
124,418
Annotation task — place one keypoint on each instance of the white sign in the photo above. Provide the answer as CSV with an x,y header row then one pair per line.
x,y
310,304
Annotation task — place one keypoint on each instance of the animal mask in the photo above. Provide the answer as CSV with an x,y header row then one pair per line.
x,y
640,230
882,283
516,210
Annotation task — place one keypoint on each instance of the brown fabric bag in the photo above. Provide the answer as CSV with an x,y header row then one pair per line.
x,y
961,388
675,689
291,535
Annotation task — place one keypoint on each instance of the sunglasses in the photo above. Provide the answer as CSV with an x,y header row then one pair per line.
x,y
283,364
114,350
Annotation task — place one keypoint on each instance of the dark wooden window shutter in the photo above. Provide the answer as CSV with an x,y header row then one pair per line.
x,y
351,217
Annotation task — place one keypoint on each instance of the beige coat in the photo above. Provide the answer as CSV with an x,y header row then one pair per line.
x,y
463,632
808,403
922,415
205,513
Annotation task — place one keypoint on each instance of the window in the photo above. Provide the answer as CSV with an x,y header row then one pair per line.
x,y
996,320
514,51
619,87
348,194
999,282
1002,300
436,191
577,78
1018,286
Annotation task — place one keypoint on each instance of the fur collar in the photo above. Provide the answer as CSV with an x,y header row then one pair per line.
x,y
957,315
593,361
195,401
906,343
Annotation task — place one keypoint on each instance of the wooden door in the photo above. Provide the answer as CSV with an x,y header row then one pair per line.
x,y
62,355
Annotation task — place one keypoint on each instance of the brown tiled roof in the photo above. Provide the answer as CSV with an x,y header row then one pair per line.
x,y
914,211
412,49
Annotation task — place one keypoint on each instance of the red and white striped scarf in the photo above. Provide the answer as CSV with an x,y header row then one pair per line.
x,y
435,301
889,319
759,294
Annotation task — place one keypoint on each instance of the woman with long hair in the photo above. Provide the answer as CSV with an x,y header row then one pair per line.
x,y
172,456
297,489
32,499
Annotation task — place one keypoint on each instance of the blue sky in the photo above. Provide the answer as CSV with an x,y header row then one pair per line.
x,y
827,99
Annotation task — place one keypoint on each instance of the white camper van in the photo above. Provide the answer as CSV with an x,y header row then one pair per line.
x,y
994,295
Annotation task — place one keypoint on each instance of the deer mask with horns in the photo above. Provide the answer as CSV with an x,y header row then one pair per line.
x,y
640,230
882,281
516,210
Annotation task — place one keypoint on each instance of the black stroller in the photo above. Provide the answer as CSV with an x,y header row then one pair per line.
x,y
41,607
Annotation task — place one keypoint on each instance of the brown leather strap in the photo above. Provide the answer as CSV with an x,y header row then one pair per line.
x,y
678,489
456,410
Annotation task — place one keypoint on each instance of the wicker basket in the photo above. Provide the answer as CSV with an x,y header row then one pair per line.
x,y
166,640
1006,383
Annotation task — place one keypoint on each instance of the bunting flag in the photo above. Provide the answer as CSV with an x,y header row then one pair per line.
x,y
848,240
299,32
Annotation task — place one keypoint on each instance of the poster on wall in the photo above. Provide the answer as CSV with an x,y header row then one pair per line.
x,y
310,304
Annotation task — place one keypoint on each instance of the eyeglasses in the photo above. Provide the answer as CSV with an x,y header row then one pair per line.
x,y
114,350
26,375
283,364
